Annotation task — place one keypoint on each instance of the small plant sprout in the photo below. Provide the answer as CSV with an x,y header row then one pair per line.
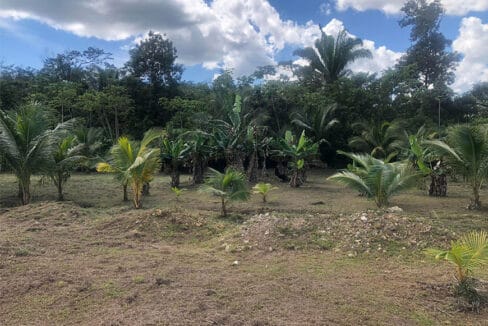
x,y
263,189
178,192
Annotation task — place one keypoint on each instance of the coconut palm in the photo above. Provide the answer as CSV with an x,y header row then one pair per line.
x,y
91,141
229,186
174,154
467,253
134,163
376,179
263,189
380,140
66,156
330,56
25,142
317,123
467,150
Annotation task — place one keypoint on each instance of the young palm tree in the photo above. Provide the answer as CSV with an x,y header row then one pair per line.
x,y
375,178
66,156
229,186
134,163
467,148
174,154
91,141
468,253
330,56
318,123
198,152
263,189
25,142
380,140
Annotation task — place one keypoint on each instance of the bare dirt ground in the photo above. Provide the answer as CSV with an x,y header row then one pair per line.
x,y
318,255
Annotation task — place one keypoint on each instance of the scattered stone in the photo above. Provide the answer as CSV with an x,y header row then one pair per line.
x,y
235,263
394,209
210,292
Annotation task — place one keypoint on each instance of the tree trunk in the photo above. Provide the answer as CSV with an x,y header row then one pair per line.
x,y
224,209
198,171
296,180
126,198
24,190
145,189
281,172
234,160
438,185
175,177
252,170
475,202
59,185
137,189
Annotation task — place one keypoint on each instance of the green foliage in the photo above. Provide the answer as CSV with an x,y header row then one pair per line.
x,y
67,156
134,163
381,140
297,151
178,192
229,186
376,179
263,189
330,56
467,254
173,154
26,144
467,150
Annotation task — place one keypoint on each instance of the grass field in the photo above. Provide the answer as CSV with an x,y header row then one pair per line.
x,y
319,255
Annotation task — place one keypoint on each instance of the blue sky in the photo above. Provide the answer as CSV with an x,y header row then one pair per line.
x,y
235,34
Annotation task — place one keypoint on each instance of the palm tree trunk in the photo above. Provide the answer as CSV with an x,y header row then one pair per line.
x,y
126,198
224,209
24,190
476,202
438,185
198,171
137,192
252,170
59,185
175,177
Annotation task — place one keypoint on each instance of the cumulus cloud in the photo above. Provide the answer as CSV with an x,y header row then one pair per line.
x,y
453,7
231,34
472,43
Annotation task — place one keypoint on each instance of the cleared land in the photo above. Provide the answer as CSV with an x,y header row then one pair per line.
x,y
314,255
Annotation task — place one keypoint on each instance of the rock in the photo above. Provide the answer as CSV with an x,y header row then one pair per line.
x,y
364,218
235,263
394,209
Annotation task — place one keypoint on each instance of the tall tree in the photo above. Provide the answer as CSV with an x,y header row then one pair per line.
x,y
433,63
330,56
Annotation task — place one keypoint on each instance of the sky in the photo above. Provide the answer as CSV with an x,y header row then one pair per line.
x,y
211,35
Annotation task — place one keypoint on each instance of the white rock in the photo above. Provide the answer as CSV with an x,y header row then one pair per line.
x,y
364,218
235,263
394,209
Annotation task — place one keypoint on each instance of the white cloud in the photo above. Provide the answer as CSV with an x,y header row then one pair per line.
x,y
453,7
472,43
232,34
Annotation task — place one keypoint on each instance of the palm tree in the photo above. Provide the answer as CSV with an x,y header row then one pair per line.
x,y
375,178
91,141
25,142
174,154
330,56
134,163
380,140
468,253
317,123
467,148
66,155
263,189
229,186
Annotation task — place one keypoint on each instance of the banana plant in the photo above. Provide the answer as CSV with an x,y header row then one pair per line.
x,y
297,152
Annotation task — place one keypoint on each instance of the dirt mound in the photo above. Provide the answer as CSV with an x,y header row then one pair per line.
x,y
366,232
43,211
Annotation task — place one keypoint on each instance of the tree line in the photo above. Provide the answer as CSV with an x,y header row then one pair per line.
x,y
79,109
